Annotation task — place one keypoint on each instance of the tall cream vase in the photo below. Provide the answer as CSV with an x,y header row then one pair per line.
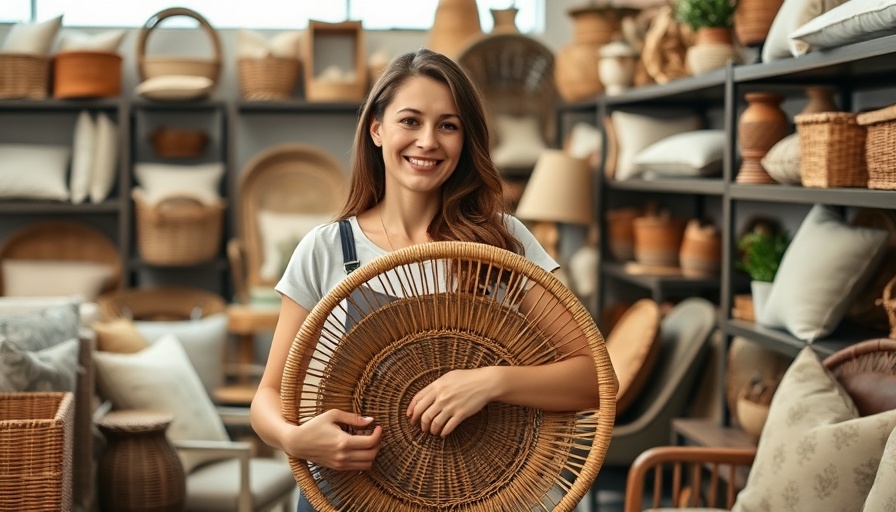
x,y
455,26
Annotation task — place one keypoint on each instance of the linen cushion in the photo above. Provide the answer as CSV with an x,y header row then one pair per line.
x,y
119,335
162,377
204,341
107,41
585,142
852,22
635,132
54,368
782,162
882,496
82,157
253,45
34,38
35,330
38,278
791,15
34,171
815,451
694,153
105,154
519,141
826,264
277,229
161,181
175,87
88,312
634,346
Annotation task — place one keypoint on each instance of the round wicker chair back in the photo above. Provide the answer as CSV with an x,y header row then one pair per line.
x,y
399,322
162,303
867,370
63,240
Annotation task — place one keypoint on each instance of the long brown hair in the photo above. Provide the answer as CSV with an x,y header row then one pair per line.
x,y
472,199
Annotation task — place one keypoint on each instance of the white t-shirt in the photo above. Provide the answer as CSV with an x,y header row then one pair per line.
x,y
316,265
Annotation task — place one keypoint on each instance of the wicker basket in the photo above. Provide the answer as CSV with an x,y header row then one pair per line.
x,y
24,76
178,143
832,150
177,231
86,74
268,78
150,66
36,440
160,304
881,126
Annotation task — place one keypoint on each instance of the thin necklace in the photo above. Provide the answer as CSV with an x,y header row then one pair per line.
x,y
379,212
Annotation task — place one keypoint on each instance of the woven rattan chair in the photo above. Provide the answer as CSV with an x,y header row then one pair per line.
x,y
710,468
396,324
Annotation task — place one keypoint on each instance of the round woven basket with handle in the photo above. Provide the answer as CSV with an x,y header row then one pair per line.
x,y
150,66
402,320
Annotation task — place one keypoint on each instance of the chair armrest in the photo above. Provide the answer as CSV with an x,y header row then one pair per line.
x,y
226,449
236,257
688,465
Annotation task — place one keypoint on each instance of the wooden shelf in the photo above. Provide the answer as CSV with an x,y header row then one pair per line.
x,y
298,106
706,186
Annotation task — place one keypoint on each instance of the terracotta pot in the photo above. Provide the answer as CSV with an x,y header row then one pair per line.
x,y
753,18
621,231
712,49
505,21
456,25
821,99
759,127
658,240
701,250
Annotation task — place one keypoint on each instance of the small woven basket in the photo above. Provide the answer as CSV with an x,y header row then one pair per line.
x,y
36,441
150,66
268,78
24,76
881,139
832,150
86,74
178,143
177,231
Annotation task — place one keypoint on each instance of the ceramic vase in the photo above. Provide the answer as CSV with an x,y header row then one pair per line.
x,y
621,233
617,66
759,127
701,250
753,18
821,99
456,25
505,21
760,291
658,240
712,49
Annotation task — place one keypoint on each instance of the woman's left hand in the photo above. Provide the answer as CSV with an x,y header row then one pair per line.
x,y
442,405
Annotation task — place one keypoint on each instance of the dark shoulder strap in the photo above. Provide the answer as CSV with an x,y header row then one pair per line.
x,y
349,255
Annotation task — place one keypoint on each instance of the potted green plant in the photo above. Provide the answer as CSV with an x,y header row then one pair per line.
x,y
712,22
761,249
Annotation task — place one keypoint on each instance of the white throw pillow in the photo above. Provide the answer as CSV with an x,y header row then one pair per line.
x,y
791,15
882,495
826,264
585,142
107,41
276,229
161,181
253,45
105,156
175,87
204,341
635,132
34,171
694,153
782,162
36,38
852,22
519,142
44,278
82,157
161,377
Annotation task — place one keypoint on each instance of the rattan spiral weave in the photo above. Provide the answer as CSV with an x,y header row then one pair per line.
x,y
400,321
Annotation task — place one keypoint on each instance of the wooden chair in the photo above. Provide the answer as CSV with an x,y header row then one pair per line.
x,y
714,469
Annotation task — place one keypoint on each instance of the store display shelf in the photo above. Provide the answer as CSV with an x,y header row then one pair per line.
x,y
782,341
706,186
57,208
298,106
707,87
859,197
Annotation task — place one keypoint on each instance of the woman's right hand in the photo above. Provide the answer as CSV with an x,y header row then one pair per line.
x,y
324,441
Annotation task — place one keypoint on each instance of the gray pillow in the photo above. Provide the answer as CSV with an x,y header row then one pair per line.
x,y
51,369
36,330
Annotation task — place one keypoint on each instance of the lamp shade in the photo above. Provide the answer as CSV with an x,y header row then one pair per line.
x,y
559,190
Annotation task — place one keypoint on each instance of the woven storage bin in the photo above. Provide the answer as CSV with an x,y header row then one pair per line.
x,y
879,147
178,230
150,66
24,76
86,74
178,143
832,150
36,439
269,78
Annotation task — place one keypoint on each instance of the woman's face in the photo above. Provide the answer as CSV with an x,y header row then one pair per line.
x,y
421,136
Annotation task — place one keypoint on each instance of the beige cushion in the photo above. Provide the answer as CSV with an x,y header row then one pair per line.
x,y
782,162
634,346
791,15
216,486
34,38
34,171
693,153
519,141
162,377
37,278
277,232
107,41
815,451
175,87
852,22
826,264
251,44
584,141
105,154
882,496
82,157
162,181
119,335
635,132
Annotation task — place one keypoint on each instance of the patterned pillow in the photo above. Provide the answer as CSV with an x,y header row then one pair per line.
x,y
815,451
52,369
37,330
882,496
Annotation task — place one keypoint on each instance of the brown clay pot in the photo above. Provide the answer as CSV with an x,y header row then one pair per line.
x,y
712,49
759,127
505,21
621,231
821,99
701,250
456,24
658,240
753,18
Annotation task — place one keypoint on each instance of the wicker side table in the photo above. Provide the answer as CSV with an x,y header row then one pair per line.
x,y
139,469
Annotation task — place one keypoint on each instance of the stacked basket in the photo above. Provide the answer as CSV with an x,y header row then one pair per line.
x,y
881,139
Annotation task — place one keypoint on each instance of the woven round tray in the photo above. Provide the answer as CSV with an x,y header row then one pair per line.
x,y
411,316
